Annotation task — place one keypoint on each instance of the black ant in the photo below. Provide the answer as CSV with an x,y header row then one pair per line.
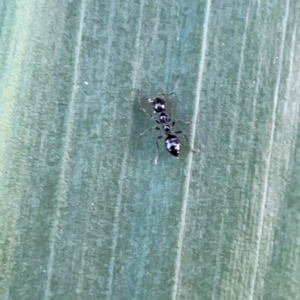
x,y
172,142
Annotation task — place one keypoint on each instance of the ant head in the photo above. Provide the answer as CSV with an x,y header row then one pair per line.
x,y
159,105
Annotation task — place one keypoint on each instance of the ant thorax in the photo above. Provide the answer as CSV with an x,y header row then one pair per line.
x,y
163,118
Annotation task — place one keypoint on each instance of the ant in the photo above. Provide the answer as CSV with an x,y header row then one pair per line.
x,y
172,142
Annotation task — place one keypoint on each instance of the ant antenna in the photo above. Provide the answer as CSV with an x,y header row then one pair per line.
x,y
163,95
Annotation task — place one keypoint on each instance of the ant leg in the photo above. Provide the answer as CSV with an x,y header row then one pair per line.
x,y
159,137
149,129
170,116
186,138
143,109
185,122
156,157
178,132
178,120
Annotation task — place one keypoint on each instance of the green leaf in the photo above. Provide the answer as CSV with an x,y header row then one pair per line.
x,y
85,211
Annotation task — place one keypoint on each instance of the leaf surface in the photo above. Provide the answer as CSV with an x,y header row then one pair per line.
x,y
85,212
